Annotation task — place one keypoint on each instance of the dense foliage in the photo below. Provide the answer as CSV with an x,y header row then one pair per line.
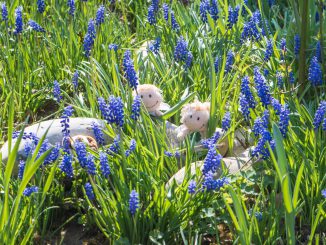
x,y
261,64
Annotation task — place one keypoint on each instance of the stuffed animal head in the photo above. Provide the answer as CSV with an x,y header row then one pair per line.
x,y
151,96
195,116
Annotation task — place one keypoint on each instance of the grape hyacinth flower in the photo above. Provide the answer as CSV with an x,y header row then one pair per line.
x,y
216,64
4,12
266,72
29,147
291,77
258,127
269,50
213,10
75,79
203,10
265,118
115,146
133,202
315,72
208,143
283,45
105,110
116,106
89,38
114,47
155,46
104,164
212,160
18,20
261,148
188,60
319,115
135,108
129,70
165,12
81,153
276,105
66,165
174,23
57,91
279,79
90,165
71,6
192,187
40,6
89,191
318,52
181,50
229,61
36,27
30,190
21,169
244,107
168,153
245,90
100,14
233,15
53,155
262,87
99,136
67,112
236,14
284,120
297,44
226,121
151,15
132,147
155,4
323,193
211,184
271,3
230,18
250,31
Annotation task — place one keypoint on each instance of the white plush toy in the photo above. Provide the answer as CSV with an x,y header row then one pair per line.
x,y
194,118
152,99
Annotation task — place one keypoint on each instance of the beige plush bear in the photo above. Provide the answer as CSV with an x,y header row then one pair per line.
x,y
152,99
194,118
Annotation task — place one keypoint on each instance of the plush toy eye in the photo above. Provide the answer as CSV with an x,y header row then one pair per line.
x,y
150,96
141,96
198,118
190,116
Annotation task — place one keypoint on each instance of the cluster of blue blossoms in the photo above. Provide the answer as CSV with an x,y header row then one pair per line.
x,y
233,15
208,7
36,27
129,70
4,12
19,20
112,111
89,38
133,202
320,116
152,10
181,53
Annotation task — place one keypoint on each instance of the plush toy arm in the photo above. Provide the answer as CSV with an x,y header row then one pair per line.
x,y
158,113
182,132
164,106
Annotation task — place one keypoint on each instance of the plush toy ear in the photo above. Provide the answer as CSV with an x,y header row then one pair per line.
x,y
207,106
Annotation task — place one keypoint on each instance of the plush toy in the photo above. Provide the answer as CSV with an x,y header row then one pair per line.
x,y
194,118
152,99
